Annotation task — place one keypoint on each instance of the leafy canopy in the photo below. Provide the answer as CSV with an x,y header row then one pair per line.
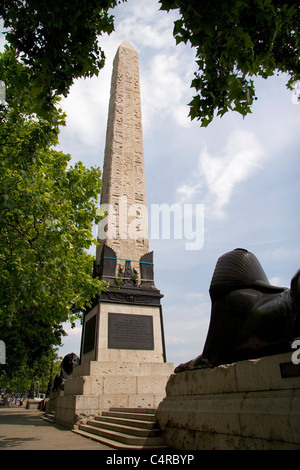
x,y
58,41
234,41
41,372
47,211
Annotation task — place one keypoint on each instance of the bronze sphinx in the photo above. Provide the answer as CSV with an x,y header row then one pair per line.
x,y
67,365
250,318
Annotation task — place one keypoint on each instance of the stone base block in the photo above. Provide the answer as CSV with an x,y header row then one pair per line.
x,y
105,368
51,403
246,405
110,384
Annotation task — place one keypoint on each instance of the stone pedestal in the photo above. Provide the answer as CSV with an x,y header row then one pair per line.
x,y
51,402
252,404
99,386
123,332
123,361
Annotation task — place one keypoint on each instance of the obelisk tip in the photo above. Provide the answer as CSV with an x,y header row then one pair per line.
x,y
127,45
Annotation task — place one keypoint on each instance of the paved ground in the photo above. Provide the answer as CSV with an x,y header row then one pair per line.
x,y
22,429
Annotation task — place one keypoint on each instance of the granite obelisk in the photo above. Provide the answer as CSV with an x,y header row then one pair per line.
x,y
123,185
123,359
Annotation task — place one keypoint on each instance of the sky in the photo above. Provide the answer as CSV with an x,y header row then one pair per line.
x,y
244,173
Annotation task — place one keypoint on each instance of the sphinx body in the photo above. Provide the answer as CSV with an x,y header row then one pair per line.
x,y
250,318
67,365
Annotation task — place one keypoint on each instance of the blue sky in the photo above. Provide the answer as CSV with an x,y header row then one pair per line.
x,y
244,171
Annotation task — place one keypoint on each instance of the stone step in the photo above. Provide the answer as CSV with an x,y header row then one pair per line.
x,y
130,415
135,410
123,437
129,428
115,444
50,417
124,428
127,422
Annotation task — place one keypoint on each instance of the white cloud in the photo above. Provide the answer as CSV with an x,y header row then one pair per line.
x,y
195,296
185,338
290,251
174,340
166,70
146,25
71,342
217,176
164,90
165,74
85,107
187,192
275,281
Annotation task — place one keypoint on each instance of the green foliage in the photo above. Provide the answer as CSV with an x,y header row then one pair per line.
x,y
47,207
58,41
18,379
21,92
234,41
47,211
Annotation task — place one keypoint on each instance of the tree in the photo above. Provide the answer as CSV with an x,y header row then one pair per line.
x,y
234,41
19,379
58,41
47,208
47,211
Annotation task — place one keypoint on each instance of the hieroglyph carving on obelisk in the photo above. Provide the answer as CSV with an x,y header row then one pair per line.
x,y
125,228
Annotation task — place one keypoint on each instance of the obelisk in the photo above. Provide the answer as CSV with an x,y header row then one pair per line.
x,y
123,258
123,182
122,359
